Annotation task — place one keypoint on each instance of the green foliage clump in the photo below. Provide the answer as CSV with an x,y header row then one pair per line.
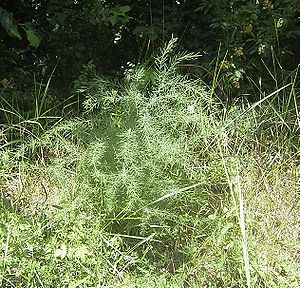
x,y
150,144
251,35
147,187
257,42
136,164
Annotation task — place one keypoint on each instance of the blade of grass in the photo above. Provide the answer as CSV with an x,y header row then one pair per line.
x,y
246,111
243,230
171,194
6,244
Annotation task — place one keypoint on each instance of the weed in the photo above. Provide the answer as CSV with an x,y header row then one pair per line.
x,y
156,185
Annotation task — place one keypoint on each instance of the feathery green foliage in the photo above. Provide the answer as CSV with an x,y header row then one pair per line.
x,y
157,184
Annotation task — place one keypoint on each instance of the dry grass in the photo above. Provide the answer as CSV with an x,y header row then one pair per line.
x,y
272,212
29,192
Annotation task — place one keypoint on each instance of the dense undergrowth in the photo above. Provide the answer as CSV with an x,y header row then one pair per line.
x,y
157,185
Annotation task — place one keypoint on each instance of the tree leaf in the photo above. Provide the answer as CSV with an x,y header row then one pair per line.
x,y
9,26
14,32
124,9
6,21
32,37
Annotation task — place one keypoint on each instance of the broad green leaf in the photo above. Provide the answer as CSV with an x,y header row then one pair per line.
x,y
119,13
28,26
32,37
14,32
124,9
9,26
6,21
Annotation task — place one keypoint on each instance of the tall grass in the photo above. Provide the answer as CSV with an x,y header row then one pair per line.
x,y
156,185
28,113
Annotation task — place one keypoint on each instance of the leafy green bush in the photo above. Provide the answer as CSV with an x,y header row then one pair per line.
x,y
254,36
